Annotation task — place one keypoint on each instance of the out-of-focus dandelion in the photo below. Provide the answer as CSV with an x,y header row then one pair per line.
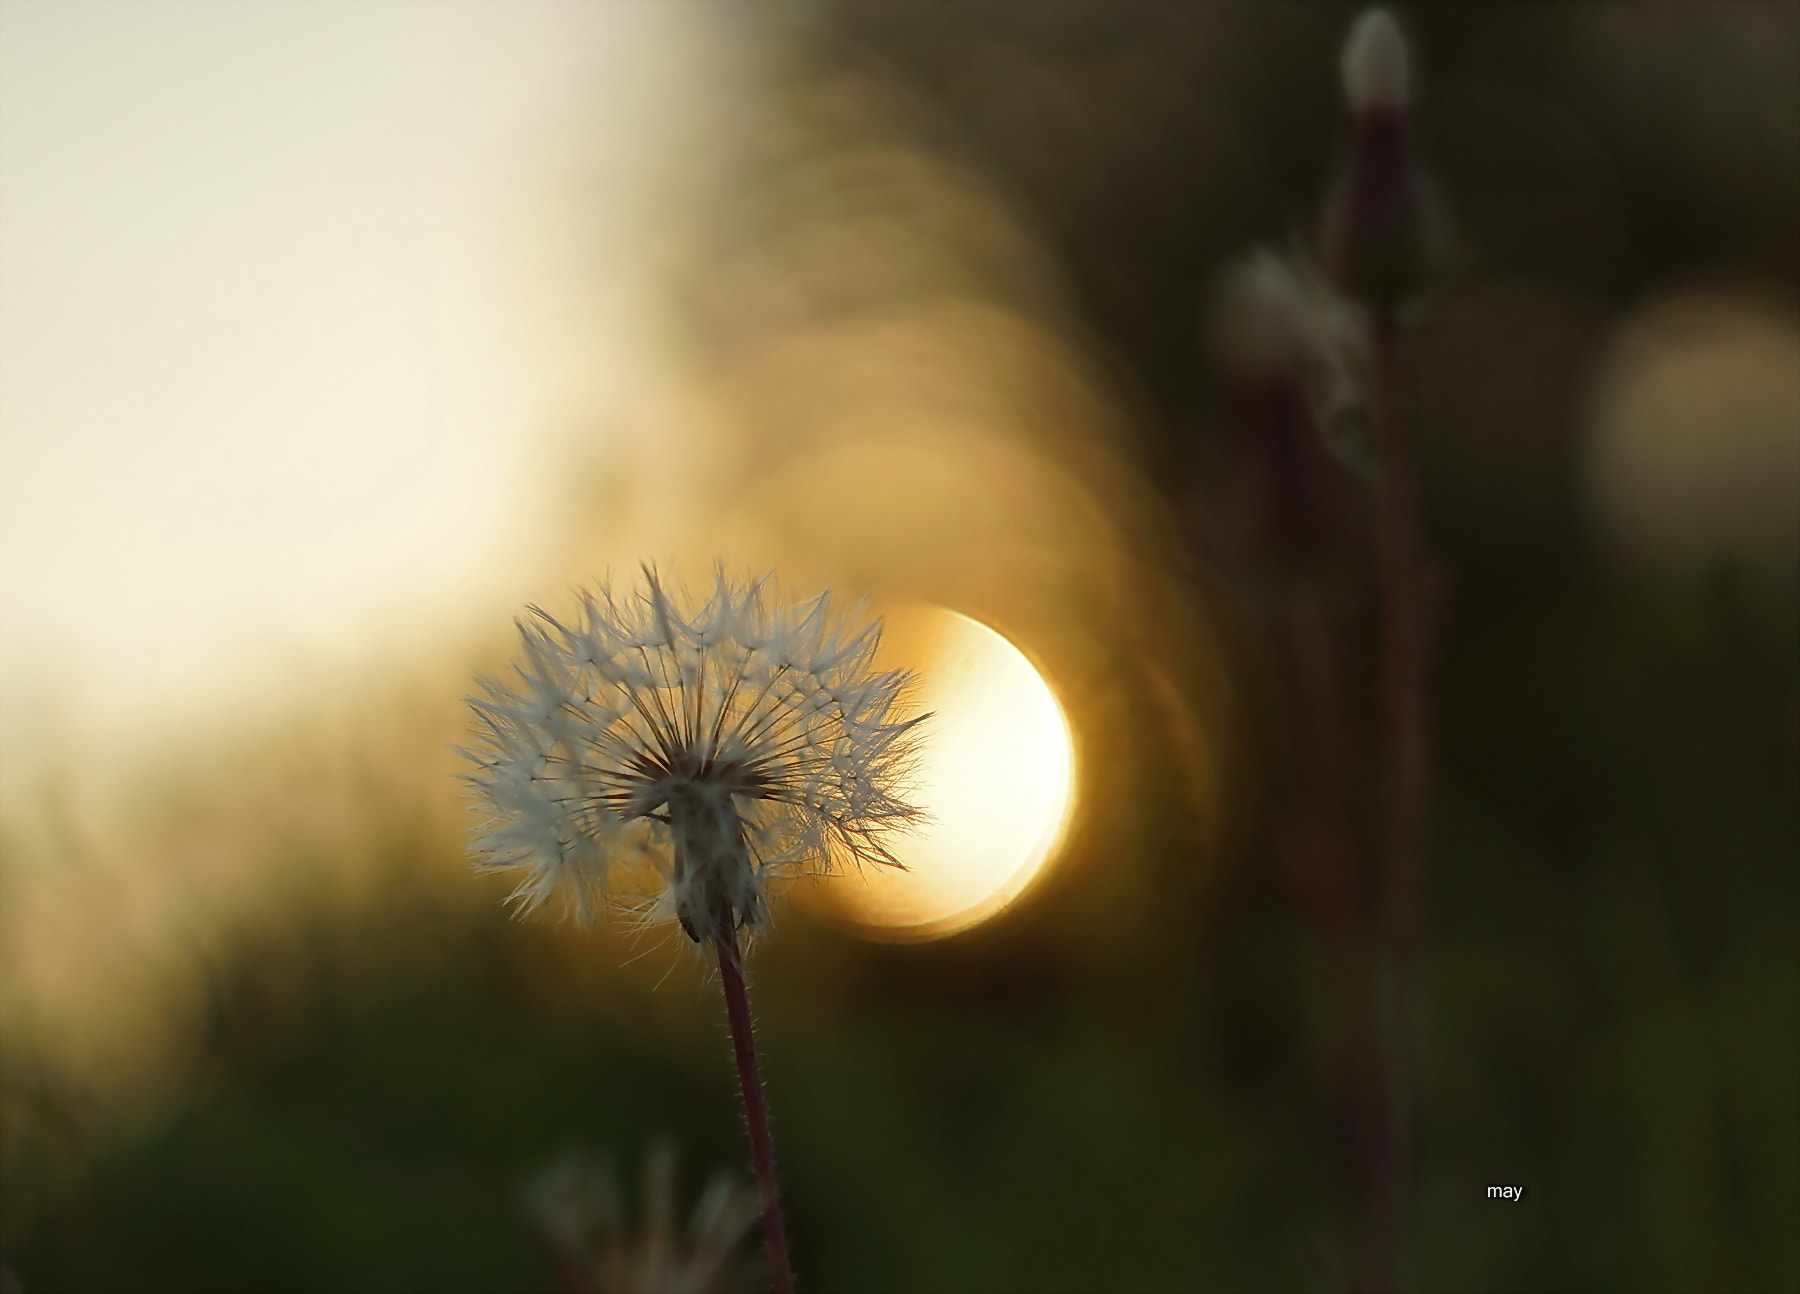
x,y
1296,361
744,741
1279,325
578,1211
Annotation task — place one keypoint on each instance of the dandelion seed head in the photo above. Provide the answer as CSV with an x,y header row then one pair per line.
x,y
727,746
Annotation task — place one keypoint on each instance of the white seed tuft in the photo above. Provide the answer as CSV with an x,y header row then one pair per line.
x,y
1277,318
747,740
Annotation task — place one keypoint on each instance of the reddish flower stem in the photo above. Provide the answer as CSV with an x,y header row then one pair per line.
x,y
1326,870
1405,622
756,1110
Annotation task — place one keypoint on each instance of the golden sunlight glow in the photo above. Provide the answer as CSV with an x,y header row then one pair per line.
x,y
996,775
1694,452
285,342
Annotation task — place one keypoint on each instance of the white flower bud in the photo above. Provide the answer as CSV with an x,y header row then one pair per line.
x,y
1377,67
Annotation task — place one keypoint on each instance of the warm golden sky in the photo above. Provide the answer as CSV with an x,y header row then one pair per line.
x,y
289,295
312,317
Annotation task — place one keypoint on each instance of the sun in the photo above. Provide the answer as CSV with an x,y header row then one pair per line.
x,y
996,775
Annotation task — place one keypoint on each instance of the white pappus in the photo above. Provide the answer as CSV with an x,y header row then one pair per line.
x,y
749,739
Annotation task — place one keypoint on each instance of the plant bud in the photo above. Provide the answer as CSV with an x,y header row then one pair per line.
x,y
1379,236
1377,67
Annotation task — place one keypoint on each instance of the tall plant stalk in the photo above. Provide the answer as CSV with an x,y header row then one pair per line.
x,y
1405,632
1318,736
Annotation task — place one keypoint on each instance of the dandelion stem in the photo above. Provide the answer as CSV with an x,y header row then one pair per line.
x,y
756,1110
1405,617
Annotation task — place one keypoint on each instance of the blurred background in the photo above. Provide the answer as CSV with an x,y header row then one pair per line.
x,y
331,336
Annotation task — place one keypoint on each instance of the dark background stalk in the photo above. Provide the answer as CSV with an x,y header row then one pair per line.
x,y
1405,620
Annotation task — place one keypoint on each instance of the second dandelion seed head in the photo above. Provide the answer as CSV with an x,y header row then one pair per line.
x,y
726,745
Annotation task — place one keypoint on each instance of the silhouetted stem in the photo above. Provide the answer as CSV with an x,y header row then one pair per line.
x,y
1405,620
756,1110
1322,853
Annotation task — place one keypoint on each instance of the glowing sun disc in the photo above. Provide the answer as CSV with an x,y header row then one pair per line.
x,y
995,774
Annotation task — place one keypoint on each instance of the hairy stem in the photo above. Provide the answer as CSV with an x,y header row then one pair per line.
x,y
1405,627
756,1110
